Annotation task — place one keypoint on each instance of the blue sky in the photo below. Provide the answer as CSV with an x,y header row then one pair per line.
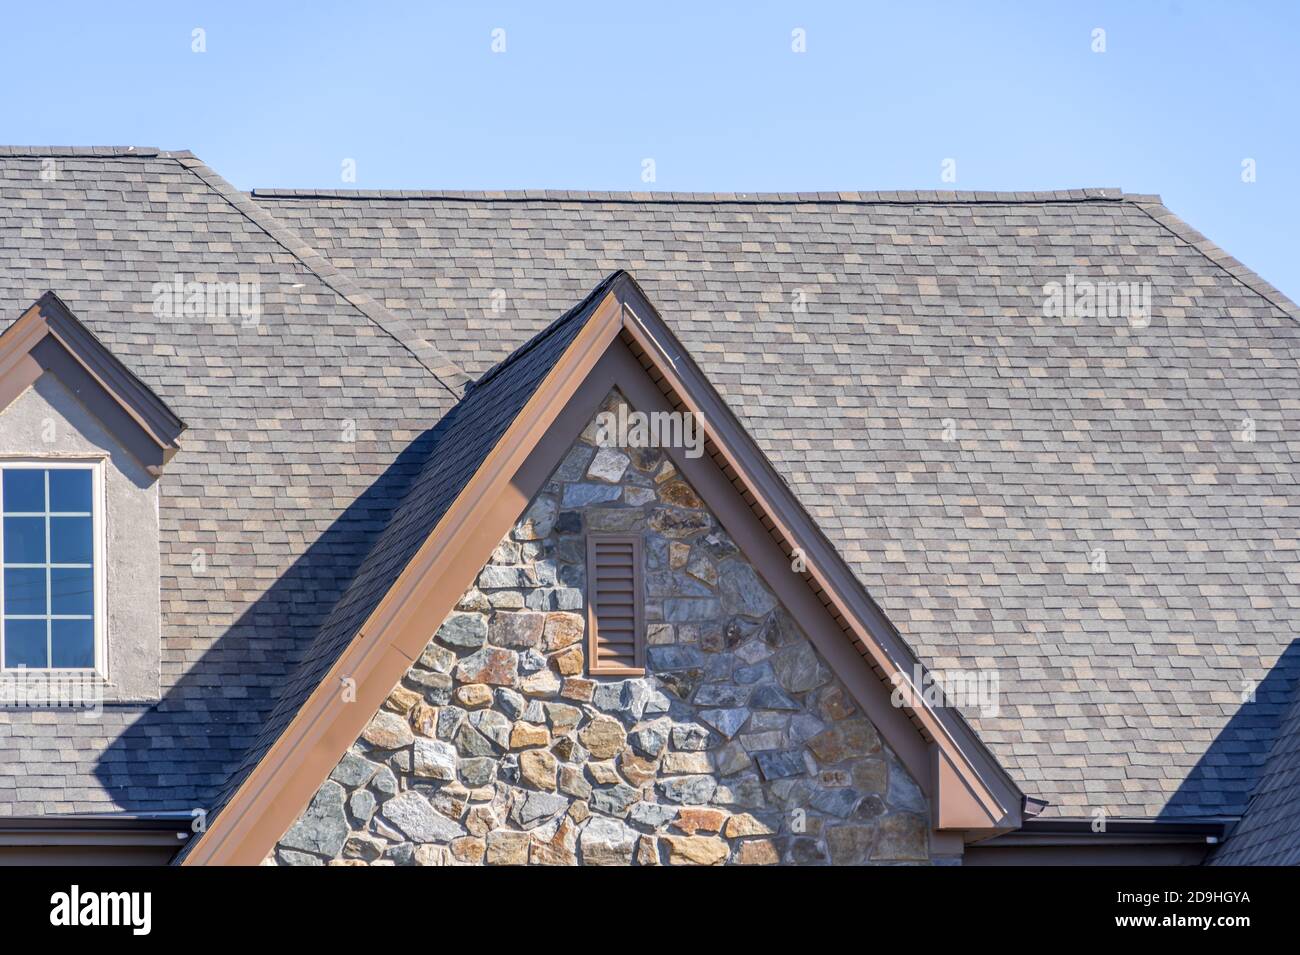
x,y
713,93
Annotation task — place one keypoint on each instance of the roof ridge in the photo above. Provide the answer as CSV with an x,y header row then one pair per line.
x,y
444,370
1178,227
900,197
99,152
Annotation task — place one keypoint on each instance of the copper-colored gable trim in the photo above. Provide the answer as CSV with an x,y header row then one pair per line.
x,y
48,337
283,782
270,798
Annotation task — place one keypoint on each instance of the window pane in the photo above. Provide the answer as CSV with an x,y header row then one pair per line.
x,y
69,489
25,643
24,490
24,539
70,540
72,643
25,591
72,590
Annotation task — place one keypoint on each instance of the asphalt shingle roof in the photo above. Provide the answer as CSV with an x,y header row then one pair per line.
x,y
890,353
969,454
267,486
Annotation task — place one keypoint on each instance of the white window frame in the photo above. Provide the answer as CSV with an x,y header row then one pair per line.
x,y
97,520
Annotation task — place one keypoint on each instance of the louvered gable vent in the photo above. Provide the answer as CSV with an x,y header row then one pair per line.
x,y
615,621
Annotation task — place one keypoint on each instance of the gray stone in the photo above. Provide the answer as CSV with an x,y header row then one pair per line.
x,y
688,609
722,694
531,661
478,771
582,495
772,698
575,463
533,808
450,719
493,725
607,841
466,631
780,765
651,815
434,759
436,687
384,783
798,669
835,802
743,592
510,702
614,800
411,813
674,657
471,743
690,737
717,545
677,523
353,770
494,577
537,521
726,721
362,803
757,673
689,790
903,792
323,826
649,740
290,857
608,465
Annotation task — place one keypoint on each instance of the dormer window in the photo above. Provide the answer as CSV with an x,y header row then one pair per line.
x,y
51,584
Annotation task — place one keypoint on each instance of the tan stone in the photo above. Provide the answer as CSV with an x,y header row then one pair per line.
x,y
401,700
901,836
678,555
569,662
696,850
481,820
757,852
506,847
579,811
562,630
870,776
603,772
563,718
693,819
474,695
835,704
424,719
660,634
604,737
743,824
468,849
572,783
541,683
679,494
850,845
537,769
636,769
647,851
528,734
338,862
666,472
850,739
560,849
576,689
388,731
687,764
432,855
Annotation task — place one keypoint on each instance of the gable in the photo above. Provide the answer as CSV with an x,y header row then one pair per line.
x,y
970,796
735,743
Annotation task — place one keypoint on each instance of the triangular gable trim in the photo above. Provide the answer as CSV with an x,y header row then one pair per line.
x,y
977,797
49,338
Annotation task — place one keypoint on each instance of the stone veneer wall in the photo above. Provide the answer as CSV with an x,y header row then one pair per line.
x,y
738,746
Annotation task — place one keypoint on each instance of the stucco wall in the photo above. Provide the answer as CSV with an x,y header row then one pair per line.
x,y
739,745
47,420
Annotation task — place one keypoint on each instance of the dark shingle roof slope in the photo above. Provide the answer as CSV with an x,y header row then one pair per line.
x,y
1269,833
299,422
1103,512
460,445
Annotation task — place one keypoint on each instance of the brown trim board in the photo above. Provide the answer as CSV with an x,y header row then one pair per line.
x,y
282,784
48,337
